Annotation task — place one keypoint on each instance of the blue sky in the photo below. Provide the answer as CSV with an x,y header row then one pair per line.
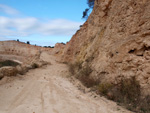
x,y
42,22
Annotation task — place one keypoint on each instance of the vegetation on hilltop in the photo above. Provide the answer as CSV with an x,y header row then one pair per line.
x,y
90,6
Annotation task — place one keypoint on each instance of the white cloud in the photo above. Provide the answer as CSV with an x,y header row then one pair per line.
x,y
30,26
8,10
3,38
59,27
13,26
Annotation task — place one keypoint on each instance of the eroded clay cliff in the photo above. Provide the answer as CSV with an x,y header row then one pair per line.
x,y
13,50
115,41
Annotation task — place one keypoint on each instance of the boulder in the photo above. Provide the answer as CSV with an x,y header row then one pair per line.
x,y
8,71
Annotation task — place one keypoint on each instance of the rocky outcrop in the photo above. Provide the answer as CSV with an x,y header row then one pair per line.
x,y
57,50
8,71
22,69
115,41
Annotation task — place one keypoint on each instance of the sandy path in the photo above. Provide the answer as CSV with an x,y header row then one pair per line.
x,y
44,90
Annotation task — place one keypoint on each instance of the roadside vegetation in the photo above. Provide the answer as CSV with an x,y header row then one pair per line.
x,y
126,92
83,74
87,10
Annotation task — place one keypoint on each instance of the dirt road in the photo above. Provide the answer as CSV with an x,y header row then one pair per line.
x,y
45,90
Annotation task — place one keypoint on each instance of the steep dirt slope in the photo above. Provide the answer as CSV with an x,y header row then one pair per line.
x,y
45,90
115,41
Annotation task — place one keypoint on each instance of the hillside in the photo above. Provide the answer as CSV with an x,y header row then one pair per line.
x,y
19,50
115,41
112,52
109,54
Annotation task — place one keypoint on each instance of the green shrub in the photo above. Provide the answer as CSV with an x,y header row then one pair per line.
x,y
28,42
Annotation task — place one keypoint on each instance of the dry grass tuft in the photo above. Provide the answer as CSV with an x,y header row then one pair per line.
x,y
83,74
127,93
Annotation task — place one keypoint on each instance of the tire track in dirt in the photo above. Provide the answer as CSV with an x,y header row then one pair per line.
x,y
42,102
21,96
